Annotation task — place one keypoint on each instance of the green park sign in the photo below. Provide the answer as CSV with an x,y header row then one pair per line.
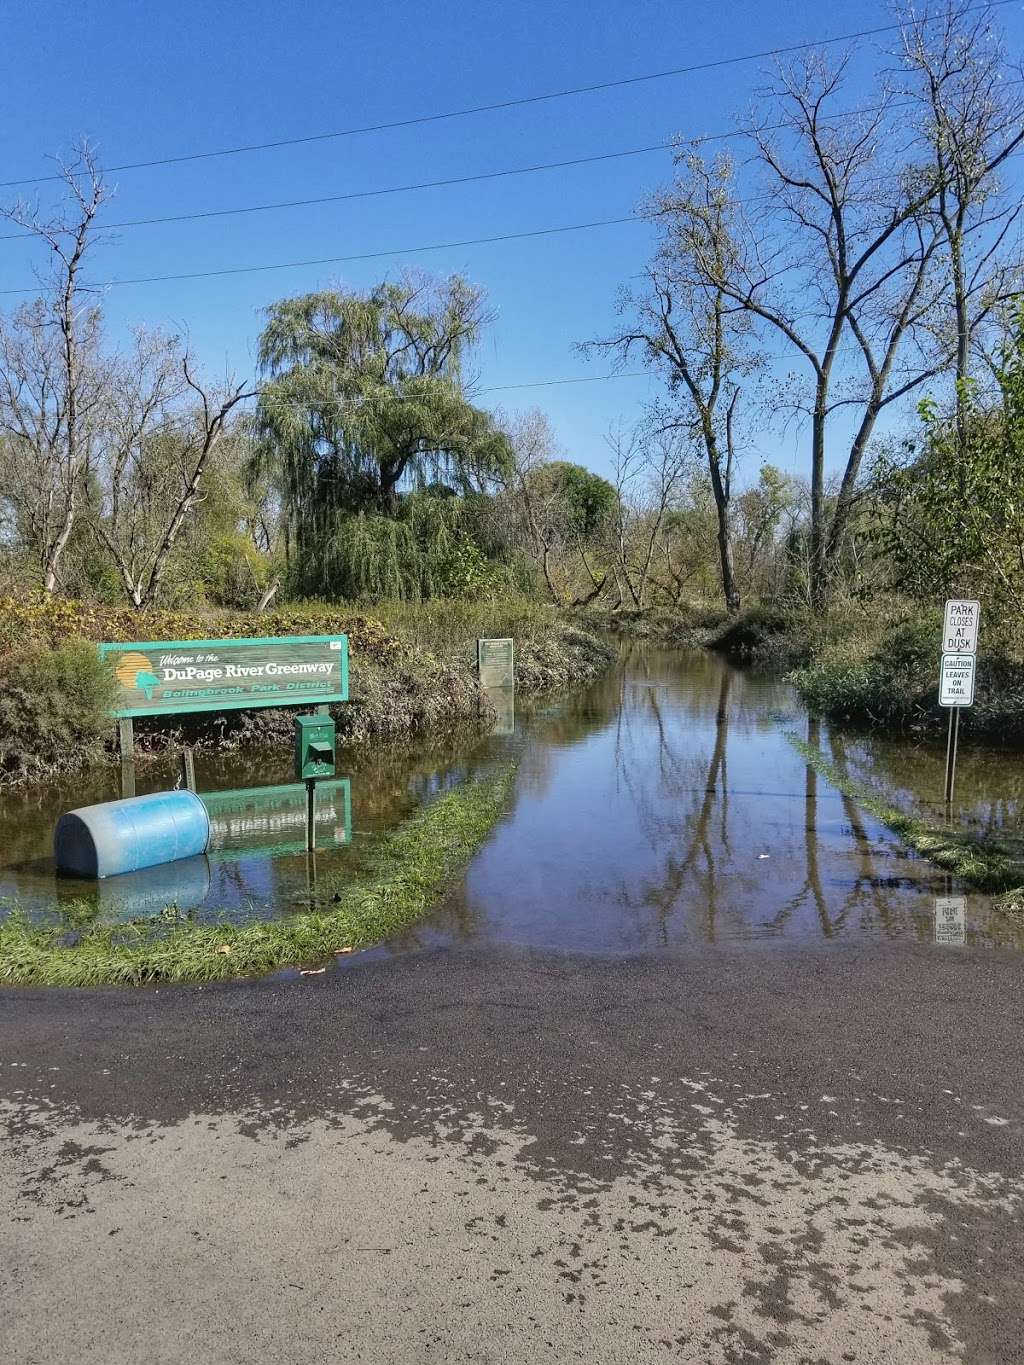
x,y
169,677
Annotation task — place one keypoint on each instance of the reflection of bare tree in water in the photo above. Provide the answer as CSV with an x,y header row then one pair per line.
x,y
867,880
677,778
812,888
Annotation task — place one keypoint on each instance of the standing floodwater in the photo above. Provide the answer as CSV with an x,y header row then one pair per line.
x,y
665,804
668,804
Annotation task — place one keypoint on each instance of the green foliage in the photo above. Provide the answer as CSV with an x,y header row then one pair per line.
x,y
363,397
587,500
951,520
54,703
758,632
51,620
892,681
401,882
430,548
450,629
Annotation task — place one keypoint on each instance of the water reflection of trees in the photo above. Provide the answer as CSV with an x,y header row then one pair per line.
x,y
692,790
699,875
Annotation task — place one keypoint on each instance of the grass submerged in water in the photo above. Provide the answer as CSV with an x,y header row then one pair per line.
x,y
981,862
403,879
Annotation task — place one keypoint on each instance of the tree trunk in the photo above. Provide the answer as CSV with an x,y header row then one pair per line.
x,y
730,589
818,567
722,490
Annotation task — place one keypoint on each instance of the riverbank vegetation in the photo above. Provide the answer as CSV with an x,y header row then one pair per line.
x,y
399,881
413,672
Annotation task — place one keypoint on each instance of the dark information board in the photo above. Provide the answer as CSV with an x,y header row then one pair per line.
x,y
169,677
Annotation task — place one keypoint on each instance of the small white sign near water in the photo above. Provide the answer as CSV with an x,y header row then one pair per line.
x,y
956,680
960,626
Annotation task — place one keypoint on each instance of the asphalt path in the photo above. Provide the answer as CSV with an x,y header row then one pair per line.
x,y
456,1154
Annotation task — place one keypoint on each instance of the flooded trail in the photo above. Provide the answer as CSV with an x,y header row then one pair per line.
x,y
665,805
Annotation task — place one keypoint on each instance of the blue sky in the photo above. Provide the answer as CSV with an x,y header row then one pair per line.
x,y
143,80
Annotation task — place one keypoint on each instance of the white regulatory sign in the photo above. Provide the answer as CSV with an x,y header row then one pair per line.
x,y
951,920
956,680
960,627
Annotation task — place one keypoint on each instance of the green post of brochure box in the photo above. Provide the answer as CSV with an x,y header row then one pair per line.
x,y
314,747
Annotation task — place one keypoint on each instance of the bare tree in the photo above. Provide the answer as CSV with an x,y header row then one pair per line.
x,y
161,432
836,258
684,324
971,119
50,381
650,463
534,498
556,510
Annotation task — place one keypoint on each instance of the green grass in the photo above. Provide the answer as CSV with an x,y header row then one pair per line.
x,y
983,863
402,880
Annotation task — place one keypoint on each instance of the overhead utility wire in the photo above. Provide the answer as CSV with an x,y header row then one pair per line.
x,y
281,401
374,194
361,256
520,101
199,214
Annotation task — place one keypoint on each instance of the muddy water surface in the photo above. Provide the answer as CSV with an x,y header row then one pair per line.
x,y
666,804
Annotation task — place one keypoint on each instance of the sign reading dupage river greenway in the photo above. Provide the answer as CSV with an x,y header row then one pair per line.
x,y
173,676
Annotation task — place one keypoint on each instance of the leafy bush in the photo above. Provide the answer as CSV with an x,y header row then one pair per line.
x,y
891,681
758,633
54,706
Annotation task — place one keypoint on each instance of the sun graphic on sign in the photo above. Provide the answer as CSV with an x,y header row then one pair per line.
x,y
135,670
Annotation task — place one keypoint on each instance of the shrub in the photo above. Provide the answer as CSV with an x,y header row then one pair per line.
x,y
53,620
891,681
54,706
762,632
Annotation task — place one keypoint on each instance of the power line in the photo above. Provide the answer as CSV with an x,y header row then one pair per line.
x,y
361,256
281,401
518,102
200,214
375,194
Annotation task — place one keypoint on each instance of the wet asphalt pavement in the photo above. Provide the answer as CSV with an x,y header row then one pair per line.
x,y
799,1155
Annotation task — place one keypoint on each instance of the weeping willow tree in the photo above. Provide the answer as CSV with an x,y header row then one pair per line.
x,y
363,402
438,545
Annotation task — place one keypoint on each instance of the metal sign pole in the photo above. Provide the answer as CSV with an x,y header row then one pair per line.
x,y
310,815
188,768
952,739
957,675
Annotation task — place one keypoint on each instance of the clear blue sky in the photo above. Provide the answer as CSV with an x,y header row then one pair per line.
x,y
146,80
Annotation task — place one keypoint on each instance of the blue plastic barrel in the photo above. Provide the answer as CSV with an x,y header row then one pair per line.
x,y
124,836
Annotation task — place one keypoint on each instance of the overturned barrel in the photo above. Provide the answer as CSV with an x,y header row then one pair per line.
x,y
124,836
